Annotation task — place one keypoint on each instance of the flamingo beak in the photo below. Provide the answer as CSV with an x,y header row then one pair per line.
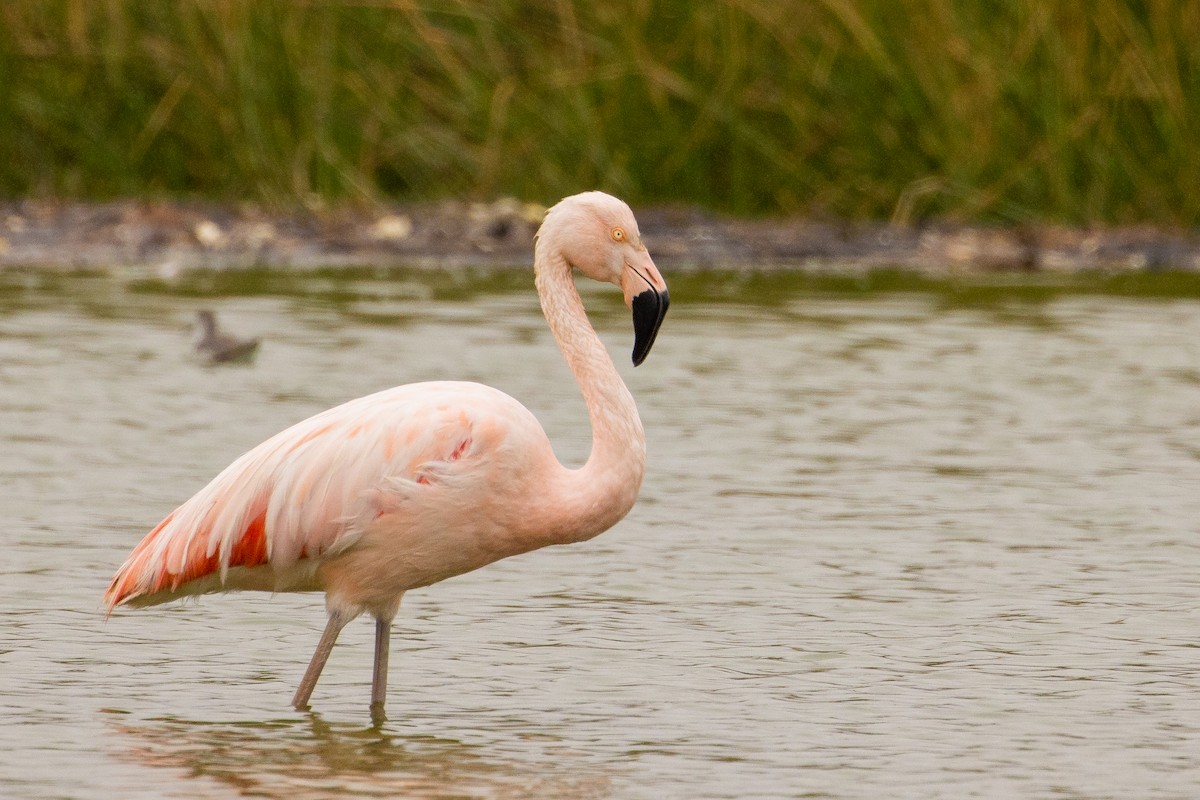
x,y
649,308
647,295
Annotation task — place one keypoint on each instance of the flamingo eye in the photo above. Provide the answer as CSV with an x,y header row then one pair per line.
x,y
618,234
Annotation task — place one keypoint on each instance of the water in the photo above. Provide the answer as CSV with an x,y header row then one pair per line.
x,y
888,546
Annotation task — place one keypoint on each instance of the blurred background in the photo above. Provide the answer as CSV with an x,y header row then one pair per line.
x,y
1011,112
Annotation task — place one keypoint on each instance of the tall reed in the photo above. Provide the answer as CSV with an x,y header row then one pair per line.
x,y
998,110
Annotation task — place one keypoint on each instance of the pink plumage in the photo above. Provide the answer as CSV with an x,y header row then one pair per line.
x,y
415,484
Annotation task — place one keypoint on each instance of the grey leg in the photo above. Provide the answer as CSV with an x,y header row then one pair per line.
x,y
337,621
383,635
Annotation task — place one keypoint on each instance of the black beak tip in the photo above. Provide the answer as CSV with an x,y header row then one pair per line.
x,y
649,308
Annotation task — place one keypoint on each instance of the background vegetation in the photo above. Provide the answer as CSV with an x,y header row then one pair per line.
x,y
999,110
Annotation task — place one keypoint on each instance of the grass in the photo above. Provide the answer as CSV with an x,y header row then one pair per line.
x,y
1009,111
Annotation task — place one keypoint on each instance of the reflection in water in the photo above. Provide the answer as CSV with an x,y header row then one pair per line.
x,y
305,758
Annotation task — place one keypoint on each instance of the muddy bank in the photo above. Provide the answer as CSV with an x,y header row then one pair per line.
x,y
170,237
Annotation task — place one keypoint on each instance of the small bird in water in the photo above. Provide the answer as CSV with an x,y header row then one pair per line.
x,y
216,347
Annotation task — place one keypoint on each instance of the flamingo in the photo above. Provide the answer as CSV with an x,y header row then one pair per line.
x,y
415,484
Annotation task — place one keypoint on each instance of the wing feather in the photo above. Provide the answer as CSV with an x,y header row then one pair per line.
x,y
310,490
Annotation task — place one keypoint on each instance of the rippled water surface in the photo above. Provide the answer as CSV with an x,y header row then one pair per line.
x,y
889,545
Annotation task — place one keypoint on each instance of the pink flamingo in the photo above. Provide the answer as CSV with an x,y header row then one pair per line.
x,y
415,484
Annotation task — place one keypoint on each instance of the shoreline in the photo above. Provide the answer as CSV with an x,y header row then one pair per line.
x,y
168,237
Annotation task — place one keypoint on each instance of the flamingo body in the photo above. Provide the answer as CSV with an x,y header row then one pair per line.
x,y
411,485
344,491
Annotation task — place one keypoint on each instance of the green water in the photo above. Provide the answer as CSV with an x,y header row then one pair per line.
x,y
896,539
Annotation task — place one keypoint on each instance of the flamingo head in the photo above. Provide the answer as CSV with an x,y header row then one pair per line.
x,y
598,235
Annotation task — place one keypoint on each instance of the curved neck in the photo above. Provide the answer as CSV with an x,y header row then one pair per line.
x,y
604,489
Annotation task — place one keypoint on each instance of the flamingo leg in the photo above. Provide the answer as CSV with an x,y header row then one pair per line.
x,y
383,636
337,621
